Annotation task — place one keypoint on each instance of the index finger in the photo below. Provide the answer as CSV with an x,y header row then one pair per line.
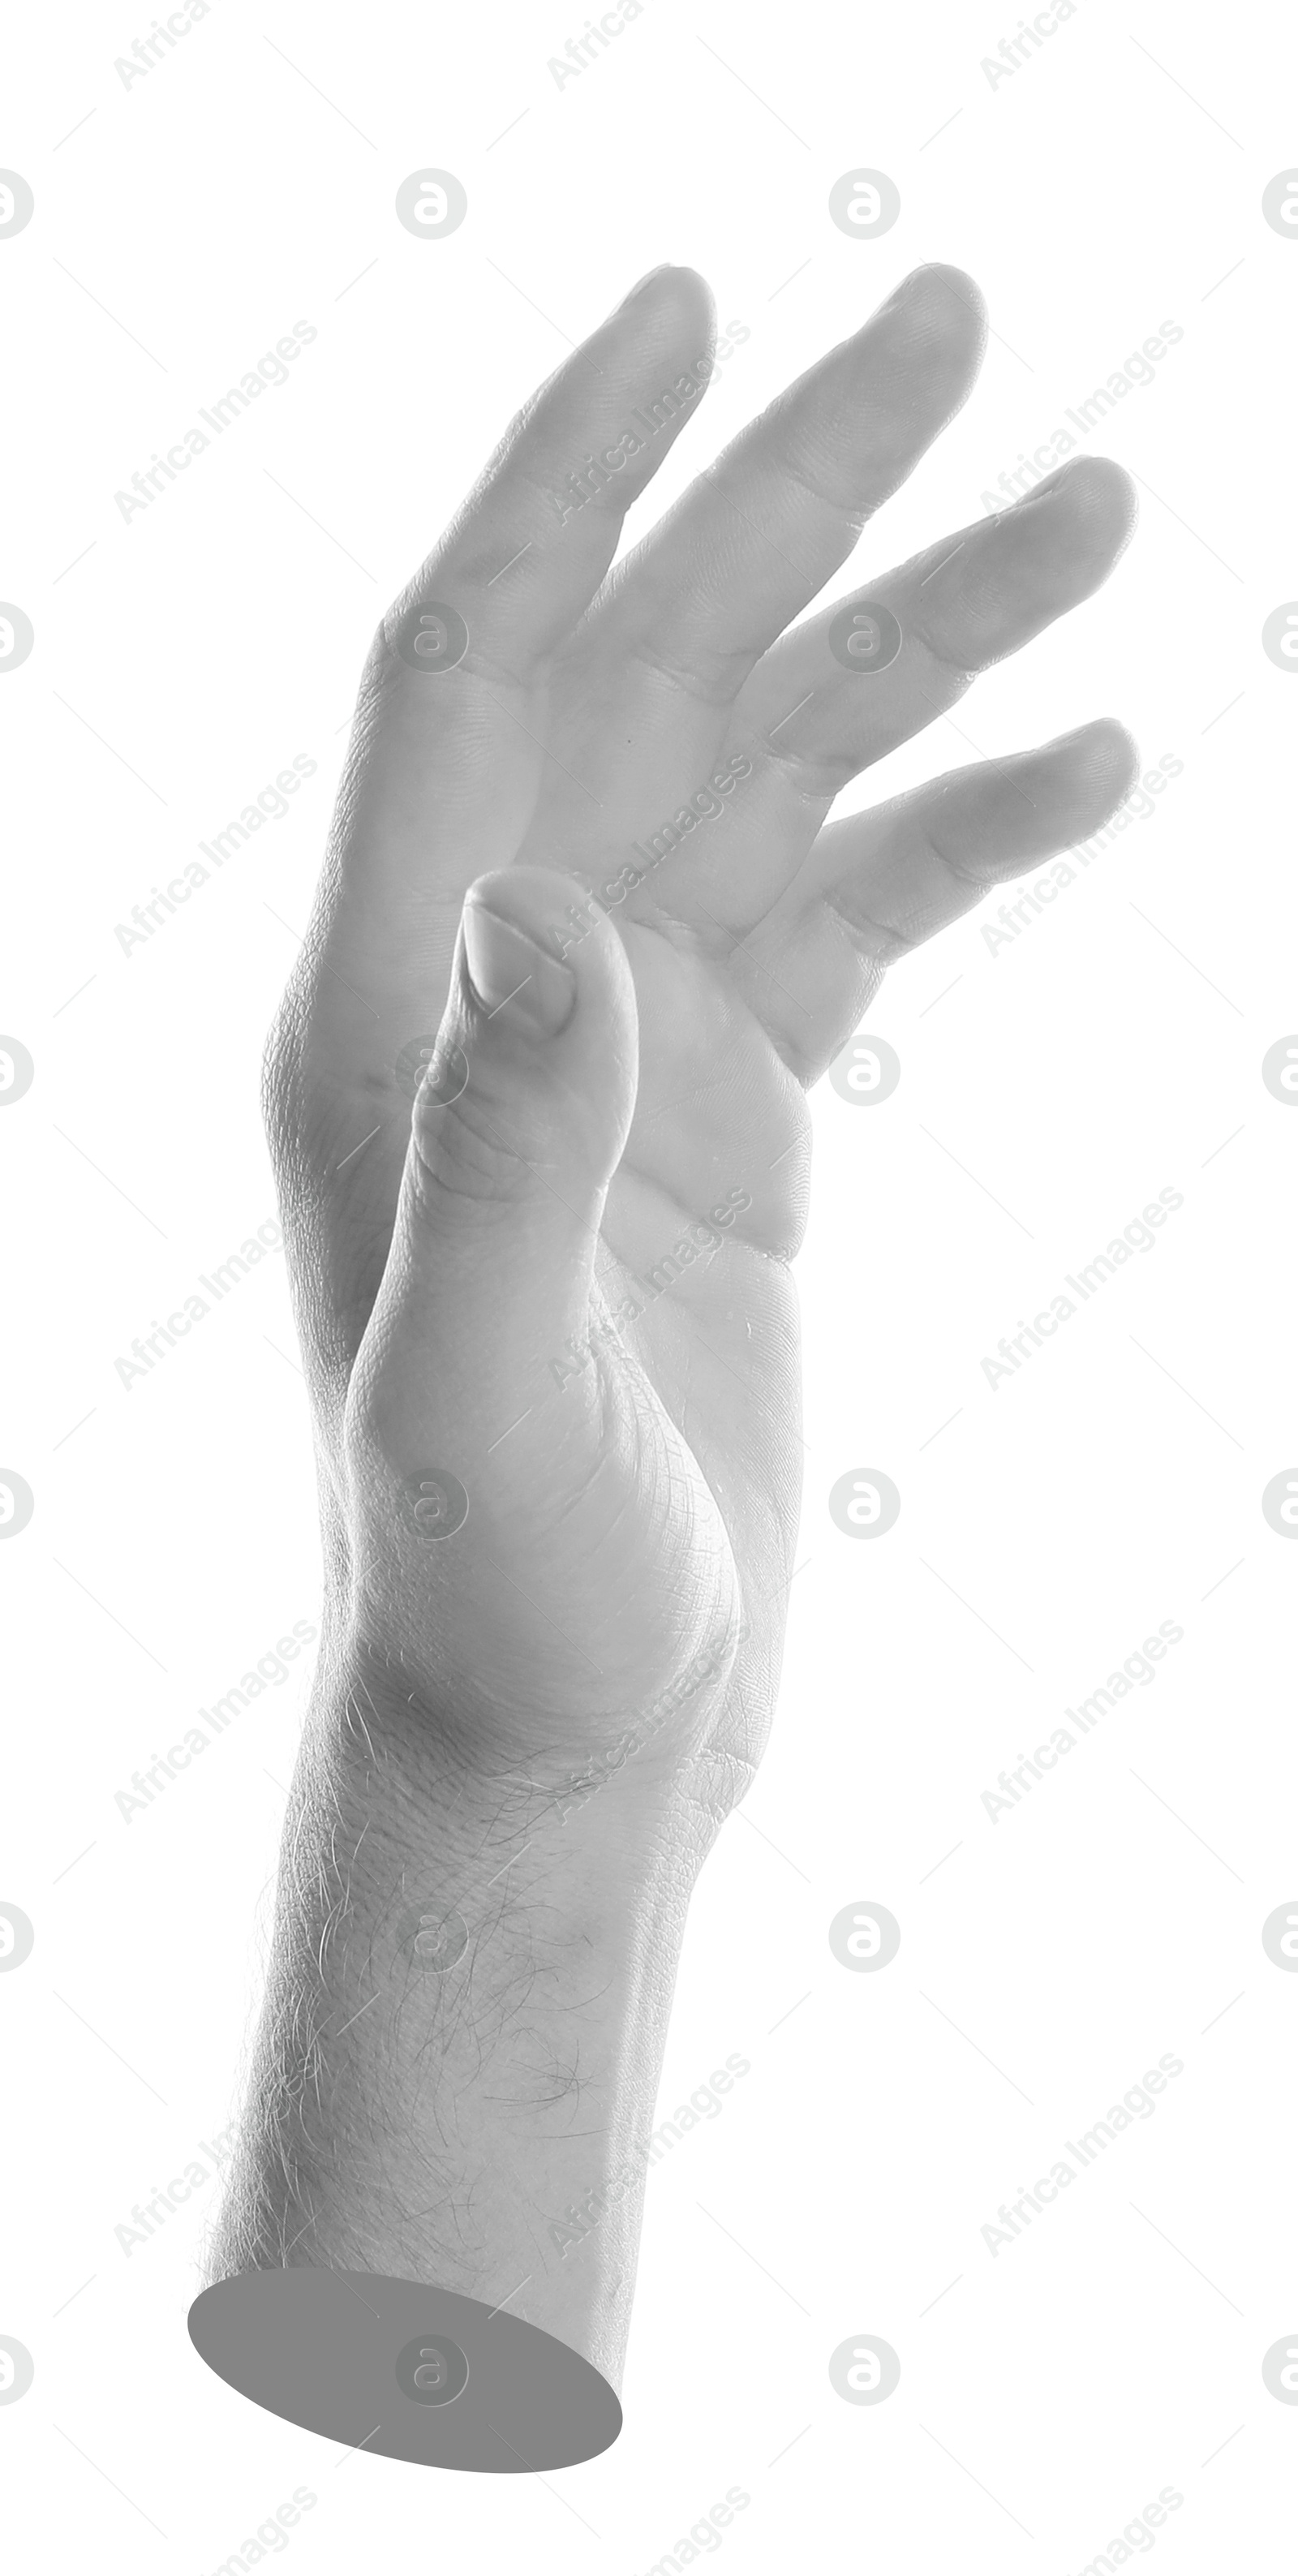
x,y
759,533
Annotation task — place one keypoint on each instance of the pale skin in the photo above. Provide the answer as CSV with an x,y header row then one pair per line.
x,y
536,1724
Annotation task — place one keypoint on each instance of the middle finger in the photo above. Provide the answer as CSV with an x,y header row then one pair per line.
x,y
669,641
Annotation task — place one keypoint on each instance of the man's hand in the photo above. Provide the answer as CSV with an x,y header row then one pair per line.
x,y
581,872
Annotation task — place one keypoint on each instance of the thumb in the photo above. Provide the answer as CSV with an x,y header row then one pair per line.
x,y
518,1126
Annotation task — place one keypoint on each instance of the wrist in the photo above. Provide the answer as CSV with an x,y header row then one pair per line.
x,y
466,2011
612,1819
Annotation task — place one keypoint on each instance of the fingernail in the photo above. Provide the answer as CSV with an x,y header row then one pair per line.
x,y
508,972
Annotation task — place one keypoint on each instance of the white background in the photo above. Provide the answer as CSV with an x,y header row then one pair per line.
x,y
1049,1090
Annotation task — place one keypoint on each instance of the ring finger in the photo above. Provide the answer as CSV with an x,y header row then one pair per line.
x,y
811,717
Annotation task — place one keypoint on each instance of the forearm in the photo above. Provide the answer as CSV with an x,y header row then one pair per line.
x,y
460,2119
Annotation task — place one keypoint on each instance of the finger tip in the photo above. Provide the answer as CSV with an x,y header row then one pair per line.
x,y
944,304
1118,740
1102,760
1102,496
942,281
1062,540
676,296
529,896
561,913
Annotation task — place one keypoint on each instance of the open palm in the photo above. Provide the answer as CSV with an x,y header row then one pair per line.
x,y
551,1333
